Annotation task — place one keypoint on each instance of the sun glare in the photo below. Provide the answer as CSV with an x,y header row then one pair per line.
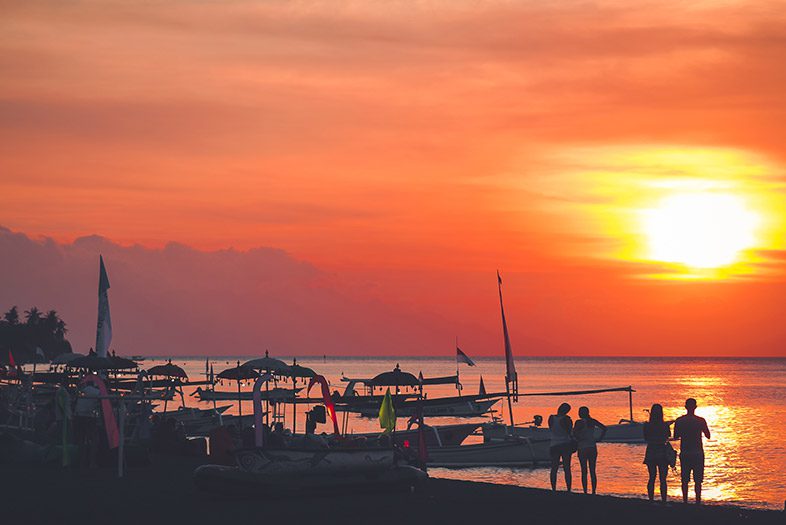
x,y
700,230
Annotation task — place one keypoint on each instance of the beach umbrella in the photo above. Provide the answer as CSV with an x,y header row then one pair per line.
x,y
295,371
167,370
267,363
395,378
171,371
387,414
239,373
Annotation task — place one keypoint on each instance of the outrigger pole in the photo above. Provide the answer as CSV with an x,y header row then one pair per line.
x,y
511,377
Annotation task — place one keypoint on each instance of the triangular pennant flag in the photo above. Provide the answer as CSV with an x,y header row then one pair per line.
x,y
461,357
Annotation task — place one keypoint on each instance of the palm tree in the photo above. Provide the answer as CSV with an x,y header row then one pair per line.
x,y
50,323
32,316
61,330
12,316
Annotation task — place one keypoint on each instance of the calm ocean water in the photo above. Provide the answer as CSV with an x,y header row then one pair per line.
x,y
743,400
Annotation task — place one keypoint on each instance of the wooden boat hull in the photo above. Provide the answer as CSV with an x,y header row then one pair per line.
x,y
453,408
277,462
436,436
511,453
234,481
282,395
630,433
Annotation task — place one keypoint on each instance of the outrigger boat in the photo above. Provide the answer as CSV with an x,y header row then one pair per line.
x,y
407,404
626,431
457,406
274,394
273,471
521,452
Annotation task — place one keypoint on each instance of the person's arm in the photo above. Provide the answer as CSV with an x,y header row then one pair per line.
x,y
706,429
677,430
602,429
568,424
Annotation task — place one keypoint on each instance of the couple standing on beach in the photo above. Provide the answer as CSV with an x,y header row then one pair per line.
x,y
567,438
660,455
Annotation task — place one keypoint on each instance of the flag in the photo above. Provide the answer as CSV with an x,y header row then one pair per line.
x,y
461,357
387,414
482,390
12,369
327,400
510,365
104,326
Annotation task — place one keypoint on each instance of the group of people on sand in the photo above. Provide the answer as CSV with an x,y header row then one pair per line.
x,y
582,437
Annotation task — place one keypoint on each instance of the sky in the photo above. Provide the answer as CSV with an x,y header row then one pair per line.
x,y
346,178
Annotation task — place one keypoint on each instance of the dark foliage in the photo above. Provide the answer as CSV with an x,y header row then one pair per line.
x,y
39,330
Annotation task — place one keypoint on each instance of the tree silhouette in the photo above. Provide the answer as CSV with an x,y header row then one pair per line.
x,y
12,316
39,331
33,316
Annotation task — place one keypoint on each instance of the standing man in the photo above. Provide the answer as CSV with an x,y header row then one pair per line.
x,y
689,429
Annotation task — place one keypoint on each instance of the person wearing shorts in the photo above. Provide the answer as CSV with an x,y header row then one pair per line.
x,y
689,429
562,445
586,438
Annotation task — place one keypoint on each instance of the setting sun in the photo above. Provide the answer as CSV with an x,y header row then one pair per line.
x,y
700,230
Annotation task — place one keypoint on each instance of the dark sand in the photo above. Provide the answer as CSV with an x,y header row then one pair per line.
x,y
166,494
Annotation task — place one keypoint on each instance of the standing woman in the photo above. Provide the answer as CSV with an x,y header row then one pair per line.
x,y
562,444
584,432
657,434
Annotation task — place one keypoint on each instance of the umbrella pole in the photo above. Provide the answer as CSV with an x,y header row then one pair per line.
x,y
239,406
166,399
294,409
121,416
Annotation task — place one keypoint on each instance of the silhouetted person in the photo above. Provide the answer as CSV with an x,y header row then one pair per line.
x,y
562,444
657,434
688,429
585,433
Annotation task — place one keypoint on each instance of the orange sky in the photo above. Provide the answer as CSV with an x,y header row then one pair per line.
x,y
418,145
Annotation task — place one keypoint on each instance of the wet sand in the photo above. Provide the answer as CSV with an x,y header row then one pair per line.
x,y
165,494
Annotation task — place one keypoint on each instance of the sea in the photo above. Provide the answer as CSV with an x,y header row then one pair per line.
x,y
743,401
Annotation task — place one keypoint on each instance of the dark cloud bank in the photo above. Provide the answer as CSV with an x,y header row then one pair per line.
x,y
181,301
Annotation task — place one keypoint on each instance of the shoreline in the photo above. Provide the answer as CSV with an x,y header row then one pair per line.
x,y
165,492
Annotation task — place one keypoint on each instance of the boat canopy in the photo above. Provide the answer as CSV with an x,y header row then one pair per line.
x,y
447,380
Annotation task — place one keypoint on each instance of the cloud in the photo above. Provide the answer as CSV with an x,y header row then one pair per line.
x,y
181,301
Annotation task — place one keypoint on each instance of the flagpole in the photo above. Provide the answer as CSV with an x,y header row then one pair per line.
x,y
458,379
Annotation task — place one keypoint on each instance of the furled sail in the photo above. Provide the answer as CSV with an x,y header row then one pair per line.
x,y
104,328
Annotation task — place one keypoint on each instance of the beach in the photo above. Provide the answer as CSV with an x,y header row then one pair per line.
x,y
164,493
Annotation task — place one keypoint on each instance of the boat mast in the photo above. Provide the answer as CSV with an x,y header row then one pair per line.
x,y
511,377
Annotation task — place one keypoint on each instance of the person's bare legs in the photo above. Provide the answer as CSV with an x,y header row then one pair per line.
x,y
584,463
652,470
664,492
592,460
554,469
566,469
697,487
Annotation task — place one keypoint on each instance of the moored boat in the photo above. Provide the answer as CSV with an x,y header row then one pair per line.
x,y
505,453
623,432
